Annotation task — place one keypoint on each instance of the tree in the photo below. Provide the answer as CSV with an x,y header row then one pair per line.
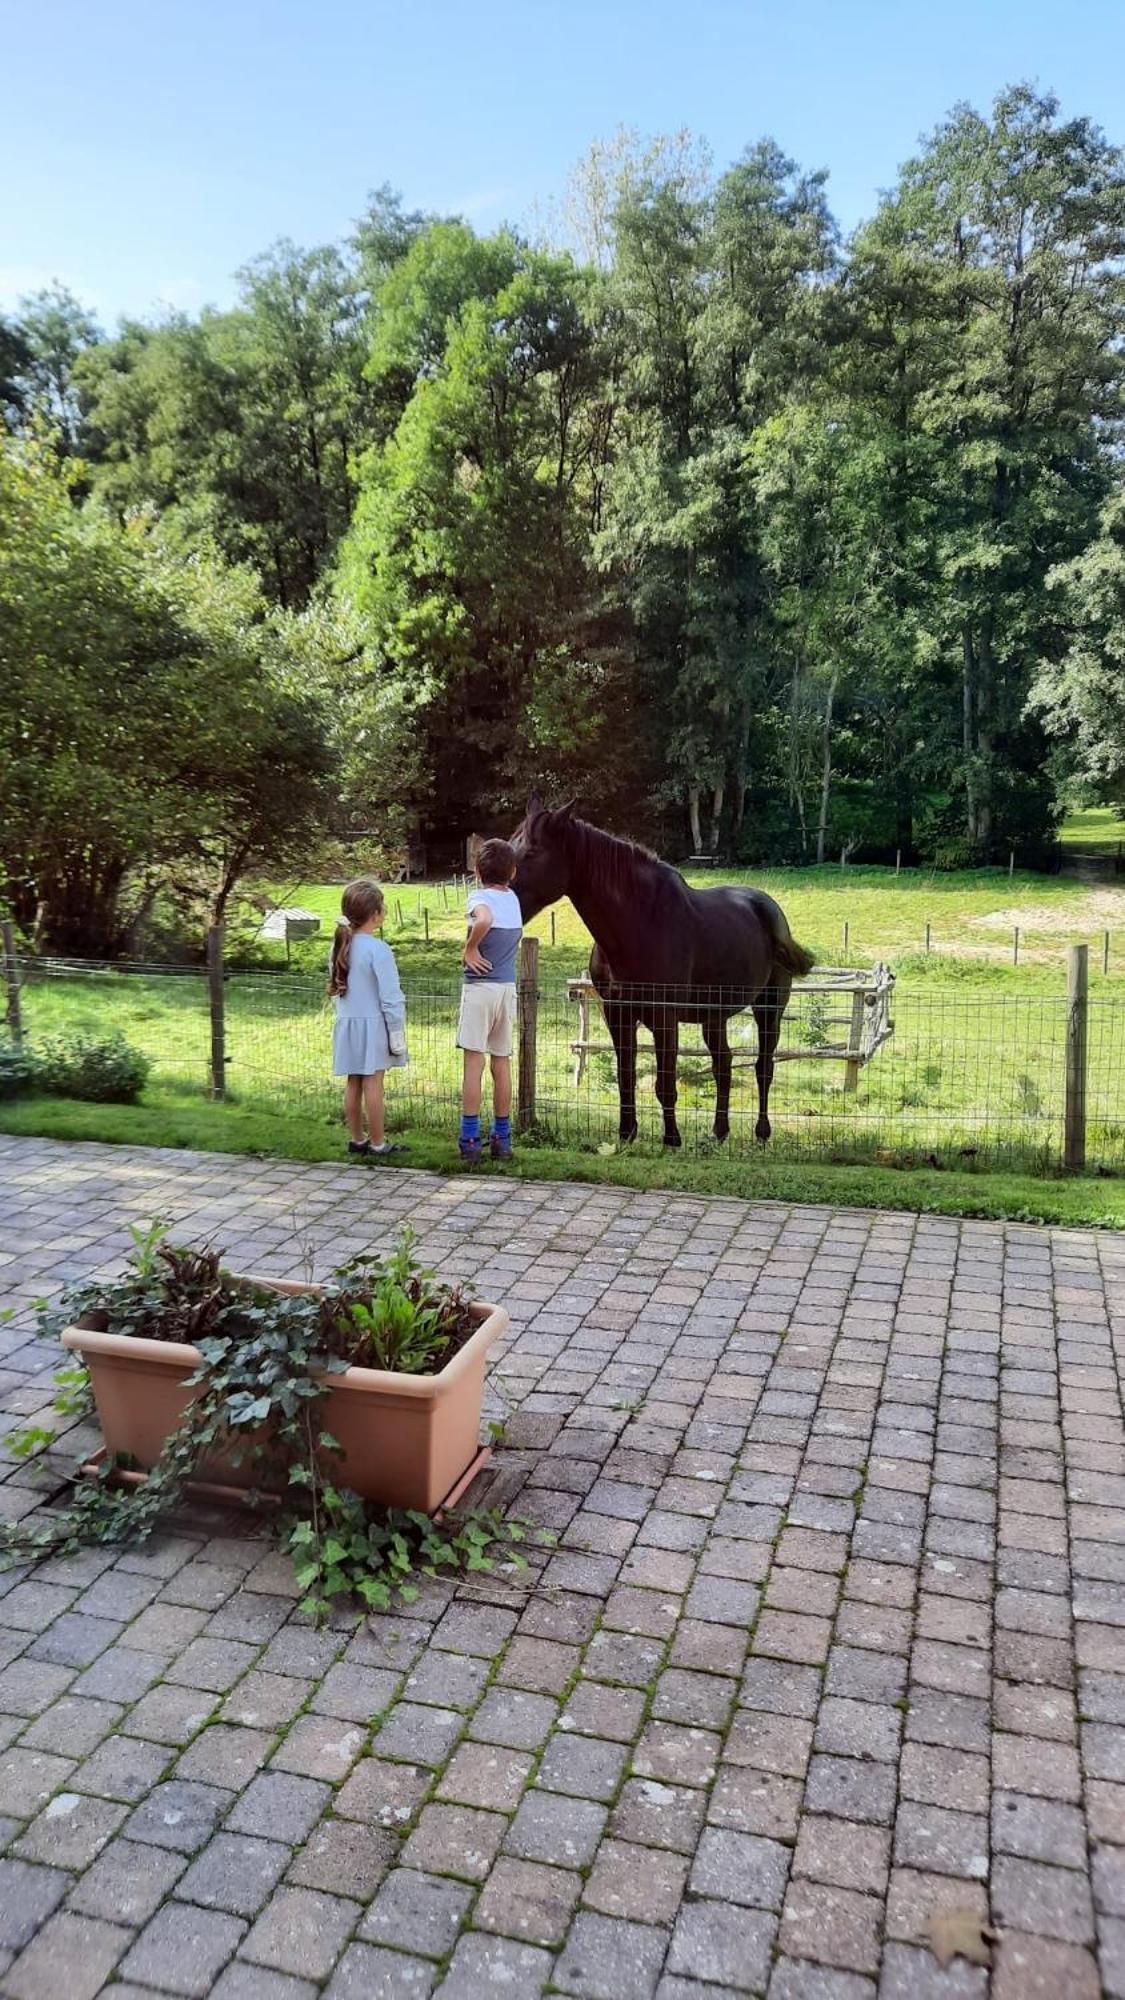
x,y
55,331
148,727
1081,696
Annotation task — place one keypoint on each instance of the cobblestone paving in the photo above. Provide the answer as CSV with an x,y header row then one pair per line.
x,y
831,1640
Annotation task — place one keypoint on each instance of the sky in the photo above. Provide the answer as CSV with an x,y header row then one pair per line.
x,y
148,148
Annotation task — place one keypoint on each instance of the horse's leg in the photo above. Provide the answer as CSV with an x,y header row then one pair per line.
x,y
715,1036
623,1034
666,1035
768,1010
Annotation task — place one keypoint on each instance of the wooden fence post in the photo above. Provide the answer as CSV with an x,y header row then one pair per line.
x,y
529,1022
12,983
1077,982
855,1042
217,1000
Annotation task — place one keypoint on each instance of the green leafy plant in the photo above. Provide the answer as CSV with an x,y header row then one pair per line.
x,y
109,1071
17,1071
266,1364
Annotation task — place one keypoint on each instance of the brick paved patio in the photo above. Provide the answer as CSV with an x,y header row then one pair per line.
x,y
831,1640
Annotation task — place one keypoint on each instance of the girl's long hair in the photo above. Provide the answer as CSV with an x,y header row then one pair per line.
x,y
361,900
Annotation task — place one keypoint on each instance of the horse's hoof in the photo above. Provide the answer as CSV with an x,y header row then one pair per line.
x,y
762,1129
626,1138
672,1139
722,1132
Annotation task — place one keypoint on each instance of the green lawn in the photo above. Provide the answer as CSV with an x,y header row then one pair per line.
x,y
973,1075
177,1119
1094,830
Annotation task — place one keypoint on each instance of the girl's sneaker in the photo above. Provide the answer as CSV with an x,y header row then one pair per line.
x,y
469,1149
500,1149
359,1149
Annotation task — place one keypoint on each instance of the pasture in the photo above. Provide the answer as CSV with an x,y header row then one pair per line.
x,y
973,1075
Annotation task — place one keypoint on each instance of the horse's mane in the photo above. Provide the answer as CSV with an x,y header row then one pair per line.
x,y
608,857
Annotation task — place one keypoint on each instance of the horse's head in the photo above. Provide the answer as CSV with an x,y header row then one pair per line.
x,y
542,856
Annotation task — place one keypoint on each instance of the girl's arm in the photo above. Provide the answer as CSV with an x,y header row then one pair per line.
x,y
392,999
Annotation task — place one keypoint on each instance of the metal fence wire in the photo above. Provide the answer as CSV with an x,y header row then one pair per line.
x,y
864,1070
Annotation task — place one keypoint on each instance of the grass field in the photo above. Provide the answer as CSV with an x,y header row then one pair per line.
x,y
1094,830
176,1118
973,1075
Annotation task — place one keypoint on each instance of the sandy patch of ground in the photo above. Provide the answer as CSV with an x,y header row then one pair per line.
x,y
1102,909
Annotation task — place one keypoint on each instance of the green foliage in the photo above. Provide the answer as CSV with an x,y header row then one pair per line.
x,y
267,1362
17,1070
105,1071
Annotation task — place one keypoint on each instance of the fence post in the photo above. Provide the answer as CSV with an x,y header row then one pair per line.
x,y
217,1000
12,983
1077,980
855,1042
529,1022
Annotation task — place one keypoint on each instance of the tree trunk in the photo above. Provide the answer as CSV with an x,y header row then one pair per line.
x,y
826,769
693,814
716,815
967,742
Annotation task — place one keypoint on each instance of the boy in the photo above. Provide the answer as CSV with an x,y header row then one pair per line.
x,y
488,998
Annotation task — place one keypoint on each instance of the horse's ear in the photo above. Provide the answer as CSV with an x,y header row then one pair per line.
x,y
567,811
535,804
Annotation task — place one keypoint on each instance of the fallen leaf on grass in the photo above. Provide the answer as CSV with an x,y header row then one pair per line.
x,y
960,1933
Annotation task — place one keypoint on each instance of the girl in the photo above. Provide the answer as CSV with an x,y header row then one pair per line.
x,y
370,1034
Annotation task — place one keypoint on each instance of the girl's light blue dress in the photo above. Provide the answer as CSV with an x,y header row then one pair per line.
x,y
372,1006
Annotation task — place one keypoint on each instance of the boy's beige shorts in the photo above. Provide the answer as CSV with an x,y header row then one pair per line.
x,y
488,1010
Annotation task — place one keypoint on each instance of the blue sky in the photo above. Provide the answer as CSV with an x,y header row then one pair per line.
x,y
149,147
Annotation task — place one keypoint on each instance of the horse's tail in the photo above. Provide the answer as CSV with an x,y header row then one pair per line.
x,y
787,953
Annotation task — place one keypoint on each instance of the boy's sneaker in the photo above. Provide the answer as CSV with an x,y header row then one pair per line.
x,y
500,1149
469,1149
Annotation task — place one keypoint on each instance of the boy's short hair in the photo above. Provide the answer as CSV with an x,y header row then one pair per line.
x,y
496,863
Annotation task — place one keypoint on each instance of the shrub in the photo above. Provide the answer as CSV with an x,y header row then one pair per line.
x,y
17,1071
110,1071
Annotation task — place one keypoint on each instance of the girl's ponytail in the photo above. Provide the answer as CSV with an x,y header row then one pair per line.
x,y
341,955
361,900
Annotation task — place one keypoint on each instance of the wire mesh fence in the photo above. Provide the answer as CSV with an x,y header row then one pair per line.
x,y
864,1070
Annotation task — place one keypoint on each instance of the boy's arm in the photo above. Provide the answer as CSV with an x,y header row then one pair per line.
x,y
482,923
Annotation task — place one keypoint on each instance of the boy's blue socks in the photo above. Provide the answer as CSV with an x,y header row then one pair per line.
x,y
502,1128
470,1126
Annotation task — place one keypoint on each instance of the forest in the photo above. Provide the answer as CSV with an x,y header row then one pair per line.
x,y
757,539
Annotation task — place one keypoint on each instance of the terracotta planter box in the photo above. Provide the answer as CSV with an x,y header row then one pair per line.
x,y
406,1439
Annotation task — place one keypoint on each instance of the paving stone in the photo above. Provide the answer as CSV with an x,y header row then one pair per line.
x,y
455,1840
658,1815
831,1925
183,1949
168,1714
71,1831
28,1895
756,1801
269,1701
912,1974
549,1827
524,1899
840,1852
344,1858
80,1725
123,1768
1037,1968
715,1941
224,1755
483,1774
639,1883
793,1980
129,1879
417,1913
27,1779
382,1793
615,1713
740,1868
606,1958
481,1964
582,1766
419,1735
71,1955
252,1982
1029,1895
236,1872
178,1815
301,1931
366,1972
279,1806
946,1843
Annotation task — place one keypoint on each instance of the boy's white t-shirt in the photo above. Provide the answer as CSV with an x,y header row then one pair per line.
x,y
501,944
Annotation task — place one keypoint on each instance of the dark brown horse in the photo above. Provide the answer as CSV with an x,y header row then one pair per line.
x,y
663,953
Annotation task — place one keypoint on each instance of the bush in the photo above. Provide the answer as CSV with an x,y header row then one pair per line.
x,y
102,1072
17,1071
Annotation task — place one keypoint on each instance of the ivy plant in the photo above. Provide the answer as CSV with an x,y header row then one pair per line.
x,y
266,1364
